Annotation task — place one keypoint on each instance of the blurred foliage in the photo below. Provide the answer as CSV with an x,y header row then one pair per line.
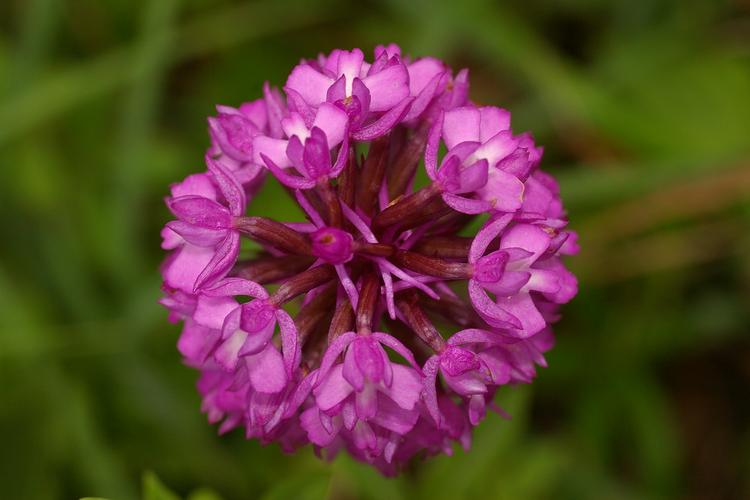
x,y
644,109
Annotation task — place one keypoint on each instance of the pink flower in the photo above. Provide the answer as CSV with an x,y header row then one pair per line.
x,y
428,79
283,319
307,150
365,393
512,273
210,243
246,333
374,96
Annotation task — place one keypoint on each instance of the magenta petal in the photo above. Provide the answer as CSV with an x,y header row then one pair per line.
x,y
497,148
259,335
466,205
388,266
456,361
256,111
366,402
350,64
363,436
359,224
543,280
342,156
465,384
211,311
294,125
459,95
362,94
236,286
267,373
430,370
196,342
389,297
227,354
285,178
496,364
406,387
195,235
394,418
195,185
491,267
423,72
335,348
485,236
570,246
337,91
528,237
568,284
308,82
316,155
233,133
509,283
274,149
489,310
347,284
318,434
397,346
351,371
171,240
370,358
327,422
433,144
332,389
201,212
522,306
295,151
475,336
349,416
493,120
231,323
473,177
387,87
476,409
426,96
300,394
462,151
504,190
461,125
222,261
517,164
289,344
385,123
309,210
185,265
228,185
333,121
275,108
297,104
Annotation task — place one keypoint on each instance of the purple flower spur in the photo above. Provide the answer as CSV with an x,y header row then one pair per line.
x,y
384,323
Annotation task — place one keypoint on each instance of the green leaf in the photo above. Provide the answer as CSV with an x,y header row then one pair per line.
x,y
302,486
154,489
204,494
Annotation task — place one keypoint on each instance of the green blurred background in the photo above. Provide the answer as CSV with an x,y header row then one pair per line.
x,y
644,109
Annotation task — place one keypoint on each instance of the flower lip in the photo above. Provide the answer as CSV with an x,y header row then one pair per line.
x,y
456,361
490,268
256,316
333,245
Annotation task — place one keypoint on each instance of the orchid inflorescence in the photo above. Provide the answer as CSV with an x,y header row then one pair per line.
x,y
385,322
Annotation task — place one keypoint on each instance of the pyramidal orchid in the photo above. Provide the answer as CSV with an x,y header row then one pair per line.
x,y
381,325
